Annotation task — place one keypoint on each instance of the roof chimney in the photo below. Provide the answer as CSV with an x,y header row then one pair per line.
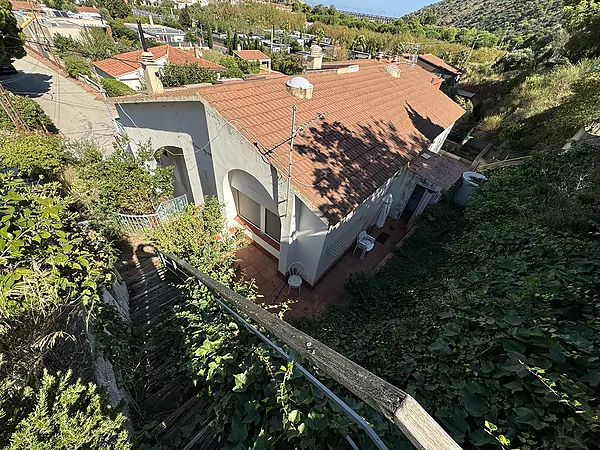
x,y
315,59
393,70
151,20
198,52
300,87
153,84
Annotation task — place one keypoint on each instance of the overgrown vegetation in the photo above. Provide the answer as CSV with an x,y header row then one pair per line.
x,y
33,155
181,74
513,21
256,399
115,88
123,182
544,110
51,272
490,317
11,44
32,114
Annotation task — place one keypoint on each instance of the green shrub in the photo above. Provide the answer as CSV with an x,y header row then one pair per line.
x,y
173,75
32,114
116,88
59,415
121,183
34,155
78,65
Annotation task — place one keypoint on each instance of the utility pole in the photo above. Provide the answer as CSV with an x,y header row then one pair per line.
x,y
471,51
295,132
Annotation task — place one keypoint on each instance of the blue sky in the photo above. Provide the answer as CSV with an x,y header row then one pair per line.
x,y
389,7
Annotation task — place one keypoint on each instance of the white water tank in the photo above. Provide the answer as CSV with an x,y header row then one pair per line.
x,y
469,182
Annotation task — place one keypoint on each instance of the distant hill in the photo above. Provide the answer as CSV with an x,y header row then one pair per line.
x,y
522,17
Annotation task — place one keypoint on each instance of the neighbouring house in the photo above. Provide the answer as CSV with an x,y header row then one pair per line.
x,y
438,66
159,33
127,67
370,128
254,56
88,12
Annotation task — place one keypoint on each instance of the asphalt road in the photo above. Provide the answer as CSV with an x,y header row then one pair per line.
x,y
74,111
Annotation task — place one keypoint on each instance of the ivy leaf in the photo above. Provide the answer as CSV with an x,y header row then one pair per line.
x,y
239,431
513,319
294,416
516,385
490,426
440,347
486,366
476,406
524,415
504,440
593,378
252,414
240,382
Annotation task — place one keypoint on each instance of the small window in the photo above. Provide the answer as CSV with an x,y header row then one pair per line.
x,y
249,209
272,225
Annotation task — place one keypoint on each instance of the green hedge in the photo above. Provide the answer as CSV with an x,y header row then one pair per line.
x,y
116,88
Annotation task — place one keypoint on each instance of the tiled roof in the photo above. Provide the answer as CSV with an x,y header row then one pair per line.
x,y
375,125
24,6
87,9
439,62
129,62
442,170
251,55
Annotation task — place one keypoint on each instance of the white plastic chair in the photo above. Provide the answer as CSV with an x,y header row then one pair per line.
x,y
295,272
365,243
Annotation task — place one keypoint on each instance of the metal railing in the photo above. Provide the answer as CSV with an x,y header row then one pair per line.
x,y
129,223
399,407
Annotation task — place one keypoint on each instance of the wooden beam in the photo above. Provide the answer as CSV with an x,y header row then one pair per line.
x,y
397,406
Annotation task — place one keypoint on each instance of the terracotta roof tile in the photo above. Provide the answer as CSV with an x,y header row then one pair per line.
x,y
24,6
251,55
439,62
375,126
87,9
131,61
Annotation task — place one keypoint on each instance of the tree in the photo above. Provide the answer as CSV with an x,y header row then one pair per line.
x,y
11,44
96,44
236,41
185,17
209,31
181,74
287,64
75,65
117,9
582,20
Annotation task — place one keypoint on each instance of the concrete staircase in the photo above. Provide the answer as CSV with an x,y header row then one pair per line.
x,y
164,397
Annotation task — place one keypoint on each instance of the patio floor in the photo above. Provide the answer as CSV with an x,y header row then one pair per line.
x,y
263,268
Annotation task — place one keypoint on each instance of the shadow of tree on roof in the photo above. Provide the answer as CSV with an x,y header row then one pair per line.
x,y
423,124
354,163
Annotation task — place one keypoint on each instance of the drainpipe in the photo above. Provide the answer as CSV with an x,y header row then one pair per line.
x,y
287,202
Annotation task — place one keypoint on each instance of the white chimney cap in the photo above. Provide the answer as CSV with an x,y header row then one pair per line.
x,y
299,83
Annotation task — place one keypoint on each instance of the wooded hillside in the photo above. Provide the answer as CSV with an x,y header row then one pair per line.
x,y
522,17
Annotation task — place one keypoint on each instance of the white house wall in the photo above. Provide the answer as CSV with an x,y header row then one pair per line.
x,y
438,142
178,125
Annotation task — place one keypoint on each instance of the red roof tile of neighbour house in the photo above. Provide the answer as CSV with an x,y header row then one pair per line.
x,y
375,125
87,9
24,6
129,62
251,55
439,62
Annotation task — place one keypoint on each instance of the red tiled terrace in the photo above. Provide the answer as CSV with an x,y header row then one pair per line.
x,y
258,265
